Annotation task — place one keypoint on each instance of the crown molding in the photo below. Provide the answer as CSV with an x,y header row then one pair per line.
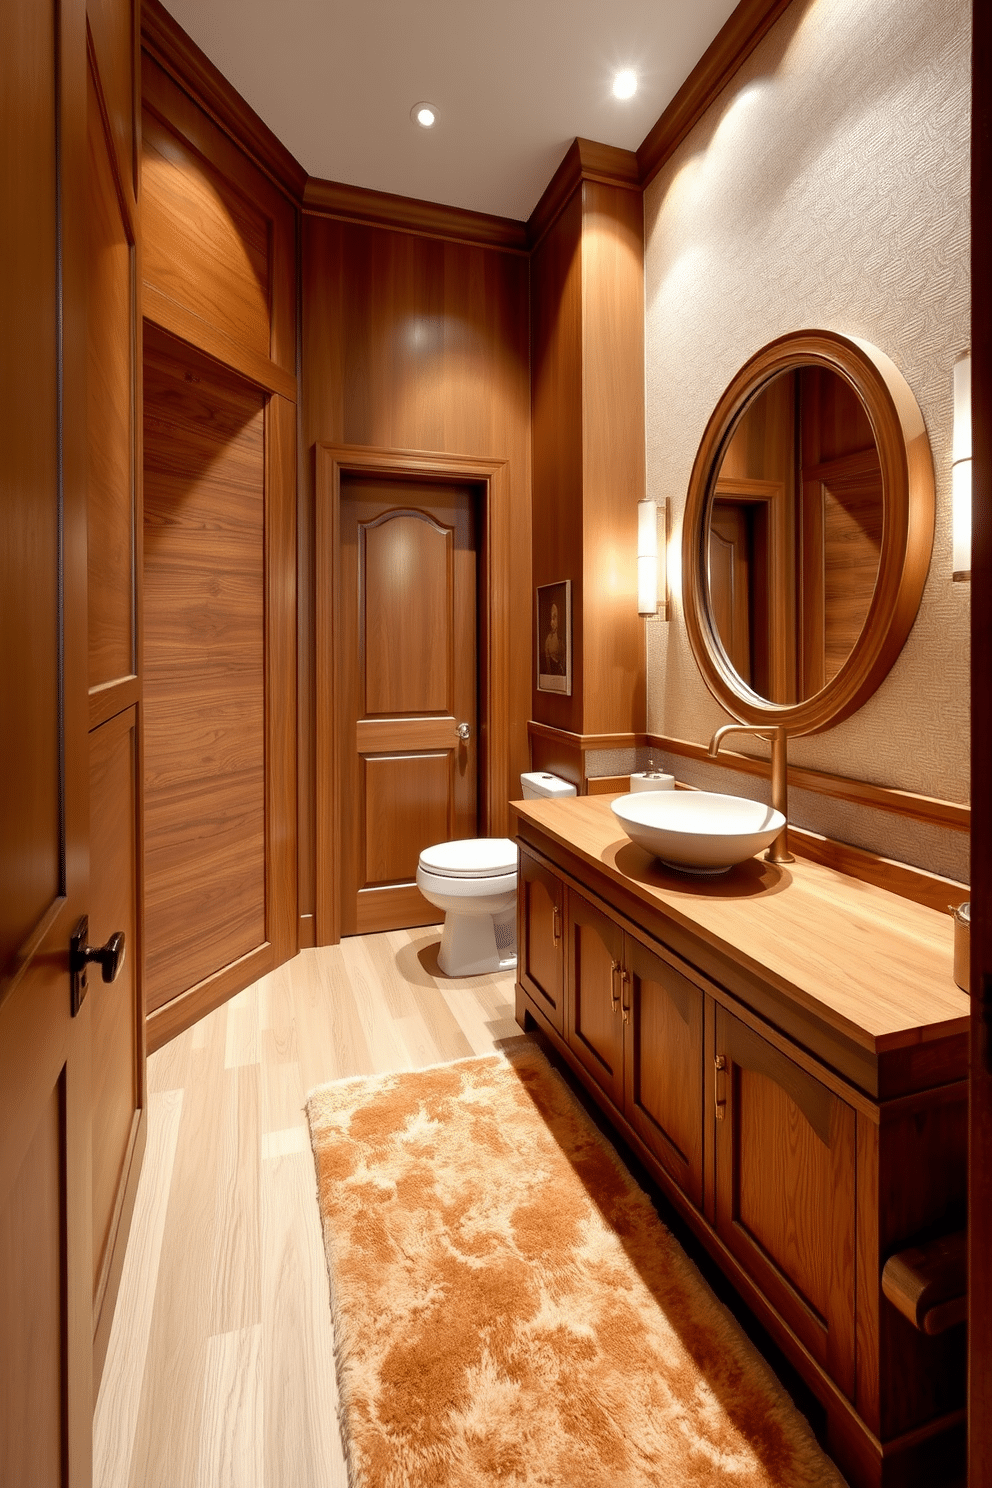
x,y
725,55
585,160
409,214
164,39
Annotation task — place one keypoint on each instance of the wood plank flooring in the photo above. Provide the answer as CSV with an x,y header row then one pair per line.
x,y
220,1370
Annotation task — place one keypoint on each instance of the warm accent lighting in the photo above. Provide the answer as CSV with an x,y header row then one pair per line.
x,y
961,470
625,84
424,114
651,578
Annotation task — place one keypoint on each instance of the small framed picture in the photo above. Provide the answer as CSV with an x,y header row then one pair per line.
x,y
554,637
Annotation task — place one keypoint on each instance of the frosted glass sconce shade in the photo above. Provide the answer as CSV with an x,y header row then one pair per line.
x,y
961,471
652,586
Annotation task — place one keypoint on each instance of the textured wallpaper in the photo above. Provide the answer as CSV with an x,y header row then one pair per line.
x,y
827,187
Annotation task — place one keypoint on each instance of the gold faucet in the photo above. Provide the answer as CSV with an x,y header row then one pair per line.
x,y
779,850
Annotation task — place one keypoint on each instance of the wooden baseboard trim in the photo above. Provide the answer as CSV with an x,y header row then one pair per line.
x,y
927,809
725,55
163,38
174,1017
409,214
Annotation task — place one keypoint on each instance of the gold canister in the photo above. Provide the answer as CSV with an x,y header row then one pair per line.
x,y
962,946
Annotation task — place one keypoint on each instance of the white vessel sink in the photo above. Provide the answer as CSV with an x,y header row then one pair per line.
x,y
697,831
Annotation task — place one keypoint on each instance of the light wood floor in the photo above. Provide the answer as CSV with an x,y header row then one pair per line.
x,y
220,1372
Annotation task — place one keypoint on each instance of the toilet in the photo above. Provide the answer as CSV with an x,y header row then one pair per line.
x,y
474,881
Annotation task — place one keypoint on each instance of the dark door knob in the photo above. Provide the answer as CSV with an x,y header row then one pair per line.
x,y
109,958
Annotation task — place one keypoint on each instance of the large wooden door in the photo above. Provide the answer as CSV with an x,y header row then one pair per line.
x,y
46,1277
409,669
113,602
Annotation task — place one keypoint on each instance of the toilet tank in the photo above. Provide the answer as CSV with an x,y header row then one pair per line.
x,y
540,783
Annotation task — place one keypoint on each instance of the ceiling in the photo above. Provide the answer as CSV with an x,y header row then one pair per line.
x,y
513,81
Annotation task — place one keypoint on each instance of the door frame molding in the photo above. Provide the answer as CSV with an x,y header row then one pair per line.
x,y
493,476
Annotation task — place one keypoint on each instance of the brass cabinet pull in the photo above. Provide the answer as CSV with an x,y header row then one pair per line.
x,y
624,999
556,924
614,973
720,1064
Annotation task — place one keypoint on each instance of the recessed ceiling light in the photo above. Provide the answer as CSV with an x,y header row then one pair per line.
x,y
424,114
625,84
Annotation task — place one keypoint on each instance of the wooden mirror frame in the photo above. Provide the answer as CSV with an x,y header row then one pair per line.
x,y
907,528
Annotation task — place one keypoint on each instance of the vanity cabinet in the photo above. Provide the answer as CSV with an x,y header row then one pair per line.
x,y
540,939
636,1025
786,1053
785,1167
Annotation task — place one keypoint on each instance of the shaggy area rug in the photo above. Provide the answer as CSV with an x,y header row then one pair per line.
x,y
509,1310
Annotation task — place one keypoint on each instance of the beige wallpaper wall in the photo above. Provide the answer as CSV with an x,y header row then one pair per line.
x,y
827,187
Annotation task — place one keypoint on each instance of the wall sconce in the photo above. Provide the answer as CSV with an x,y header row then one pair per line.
x,y
652,558
961,471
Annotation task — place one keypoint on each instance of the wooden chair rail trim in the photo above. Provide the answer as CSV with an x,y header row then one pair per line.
x,y
928,809
584,742
409,214
725,55
165,40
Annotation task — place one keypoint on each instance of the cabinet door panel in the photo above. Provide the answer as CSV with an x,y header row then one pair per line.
x,y
785,1171
540,929
663,1097
595,1021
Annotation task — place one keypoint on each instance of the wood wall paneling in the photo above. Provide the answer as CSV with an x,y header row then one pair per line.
x,y
556,411
416,344
587,311
204,669
219,265
614,686
178,55
220,275
205,245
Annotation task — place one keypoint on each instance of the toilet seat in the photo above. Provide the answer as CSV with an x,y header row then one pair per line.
x,y
471,858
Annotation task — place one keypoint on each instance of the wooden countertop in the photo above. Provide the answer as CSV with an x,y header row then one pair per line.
x,y
875,966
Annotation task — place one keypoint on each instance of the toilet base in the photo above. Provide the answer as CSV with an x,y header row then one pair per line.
x,y
473,944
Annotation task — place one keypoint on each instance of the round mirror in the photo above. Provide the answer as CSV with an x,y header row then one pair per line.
x,y
808,530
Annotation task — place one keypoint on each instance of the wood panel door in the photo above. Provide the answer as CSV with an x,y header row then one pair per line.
x,y
46,1242
540,938
409,627
663,1059
597,1001
113,603
785,1190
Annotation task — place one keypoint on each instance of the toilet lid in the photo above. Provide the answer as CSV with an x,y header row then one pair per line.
x,y
472,857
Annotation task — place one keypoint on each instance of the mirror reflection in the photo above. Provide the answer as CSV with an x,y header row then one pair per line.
x,y
794,534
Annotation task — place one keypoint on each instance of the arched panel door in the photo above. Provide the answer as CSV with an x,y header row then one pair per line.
x,y
409,664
